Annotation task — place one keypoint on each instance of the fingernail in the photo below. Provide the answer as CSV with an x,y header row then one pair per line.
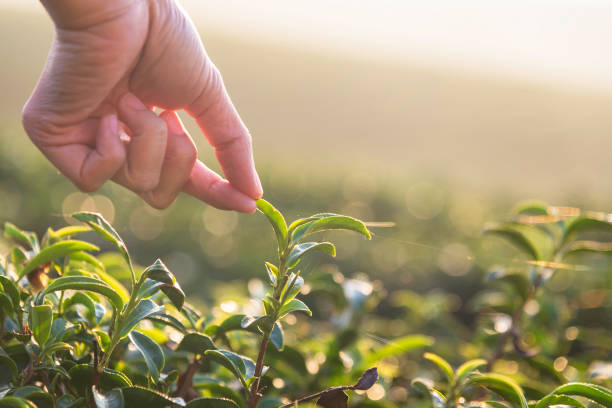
x,y
174,123
133,102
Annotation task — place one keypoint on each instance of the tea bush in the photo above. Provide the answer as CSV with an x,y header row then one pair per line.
x,y
80,331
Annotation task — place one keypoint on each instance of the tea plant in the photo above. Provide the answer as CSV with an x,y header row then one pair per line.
x,y
66,323
550,237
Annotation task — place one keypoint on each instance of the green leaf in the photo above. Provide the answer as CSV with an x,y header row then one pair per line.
x,y
468,368
292,288
502,385
80,298
555,400
88,258
593,247
425,387
67,401
517,280
144,309
211,403
593,392
41,318
196,343
37,396
399,346
276,219
70,231
160,273
150,350
81,378
168,320
584,224
26,238
111,399
106,231
302,249
531,240
272,273
330,222
443,365
143,397
82,283
55,347
9,287
295,305
531,207
15,402
277,336
6,304
57,250
242,367
8,370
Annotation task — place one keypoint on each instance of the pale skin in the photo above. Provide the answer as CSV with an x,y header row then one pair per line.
x,y
91,113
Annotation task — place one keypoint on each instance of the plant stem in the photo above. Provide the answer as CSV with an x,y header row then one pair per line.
x,y
516,318
255,395
317,395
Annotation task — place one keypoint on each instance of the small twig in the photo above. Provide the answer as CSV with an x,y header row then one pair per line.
x,y
255,394
185,381
317,395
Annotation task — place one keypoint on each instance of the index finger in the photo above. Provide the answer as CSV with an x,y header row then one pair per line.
x,y
219,121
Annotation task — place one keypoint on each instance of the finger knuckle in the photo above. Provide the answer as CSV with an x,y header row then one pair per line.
x,y
161,202
88,185
143,183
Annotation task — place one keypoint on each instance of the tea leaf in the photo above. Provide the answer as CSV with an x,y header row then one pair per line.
x,y
276,219
15,402
277,336
26,238
294,305
468,368
399,346
423,386
150,350
57,250
503,386
593,392
111,399
327,222
41,318
584,224
242,367
443,365
106,231
82,283
142,397
8,370
144,309
531,240
302,249
10,288
196,343
204,402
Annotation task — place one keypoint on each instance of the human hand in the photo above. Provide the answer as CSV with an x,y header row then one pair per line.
x,y
109,64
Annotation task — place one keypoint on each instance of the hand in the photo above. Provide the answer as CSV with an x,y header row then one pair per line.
x,y
110,63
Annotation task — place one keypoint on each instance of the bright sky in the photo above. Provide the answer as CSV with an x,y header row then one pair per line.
x,y
558,41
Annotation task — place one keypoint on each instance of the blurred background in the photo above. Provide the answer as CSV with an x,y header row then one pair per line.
x,y
433,116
